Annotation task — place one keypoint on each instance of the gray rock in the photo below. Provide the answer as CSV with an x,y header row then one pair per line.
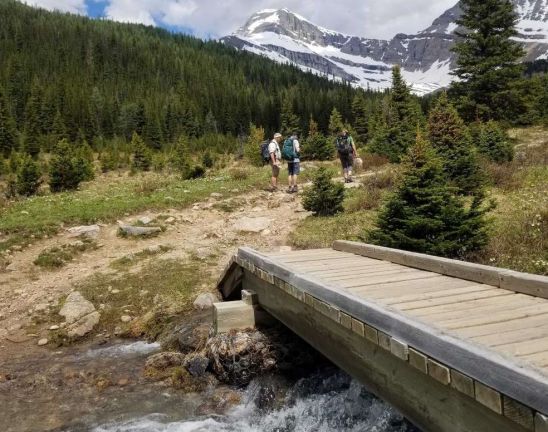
x,y
165,360
125,318
11,267
42,342
216,195
80,315
252,225
170,220
41,307
205,301
196,364
137,231
90,231
145,220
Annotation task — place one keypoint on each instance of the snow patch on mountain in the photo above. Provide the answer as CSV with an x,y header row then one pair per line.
x,y
426,57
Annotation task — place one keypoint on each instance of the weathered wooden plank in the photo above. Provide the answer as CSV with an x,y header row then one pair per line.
x,y
506,279
488,396
538,359
502,327
386,292
475,294
358,327
518,413
371,334
513,336
399,349
475,272
418,360
526,347
384,340
322,271
439,371
522,384
357,273
403,276
530,311
345,320
462,383
433,296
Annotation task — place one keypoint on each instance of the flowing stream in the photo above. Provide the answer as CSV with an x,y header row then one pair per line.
x,y
63,391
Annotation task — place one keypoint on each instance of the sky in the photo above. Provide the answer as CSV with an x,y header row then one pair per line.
x,y
381,19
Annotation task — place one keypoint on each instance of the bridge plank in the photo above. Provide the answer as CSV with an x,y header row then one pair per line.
x,y
526,347
514,336
403,276
402,289
332,266
475,294
539,359
499,302
502,327
441,295
321,272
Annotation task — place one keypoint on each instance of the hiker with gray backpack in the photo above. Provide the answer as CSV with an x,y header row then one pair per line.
x,y
291,153
347,152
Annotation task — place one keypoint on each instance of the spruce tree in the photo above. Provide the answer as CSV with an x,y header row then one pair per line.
x,y
316,146
252,146
450,138
7,128
494,143
361,120
142,159
28,177
336,124
153,133
288,119
424,214
487,58
397,122
65,171
324,197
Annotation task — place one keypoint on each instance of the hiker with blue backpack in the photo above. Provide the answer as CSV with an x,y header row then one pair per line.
x,y
347,152
291,153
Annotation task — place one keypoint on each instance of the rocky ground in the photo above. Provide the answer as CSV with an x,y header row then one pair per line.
x,y
216,227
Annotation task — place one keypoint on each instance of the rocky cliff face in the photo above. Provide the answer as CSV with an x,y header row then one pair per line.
x,y
425,57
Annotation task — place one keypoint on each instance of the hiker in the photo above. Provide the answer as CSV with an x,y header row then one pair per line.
x,y
275,160
347,152
290,153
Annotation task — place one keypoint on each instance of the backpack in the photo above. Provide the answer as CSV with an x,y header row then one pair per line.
x,y
344,145
265,154
288,150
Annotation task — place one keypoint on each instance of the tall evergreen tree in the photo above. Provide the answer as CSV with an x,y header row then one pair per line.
x,y
487,58
65,169
494,143
397,122
360,116
153,132
336,124
7,128
424,214
28,177
252,152
450,138
289,122
316,146
142,159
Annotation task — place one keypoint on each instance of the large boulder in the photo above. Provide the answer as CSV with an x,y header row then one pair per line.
x,y
196,364
252,225
80,315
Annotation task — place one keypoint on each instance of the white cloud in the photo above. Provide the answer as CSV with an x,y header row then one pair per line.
x,y
72,6
369,18
151,12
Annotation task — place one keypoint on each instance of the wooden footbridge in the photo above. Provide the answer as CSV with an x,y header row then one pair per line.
x,y
454,346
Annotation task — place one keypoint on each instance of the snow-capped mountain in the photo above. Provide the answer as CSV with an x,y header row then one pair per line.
x,y
425,57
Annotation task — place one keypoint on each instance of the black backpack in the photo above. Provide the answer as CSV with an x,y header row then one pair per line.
x,y
265,154
344,145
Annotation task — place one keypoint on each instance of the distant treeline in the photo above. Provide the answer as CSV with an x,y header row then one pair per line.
x,y
97,78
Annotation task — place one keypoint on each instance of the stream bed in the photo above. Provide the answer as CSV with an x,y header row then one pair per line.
x,y
102,389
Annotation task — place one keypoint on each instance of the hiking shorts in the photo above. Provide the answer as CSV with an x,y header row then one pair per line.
x,y
294,168
275,170
347,161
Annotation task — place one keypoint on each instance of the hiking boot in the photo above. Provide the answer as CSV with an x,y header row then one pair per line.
x,y
296,189
350,180
289,190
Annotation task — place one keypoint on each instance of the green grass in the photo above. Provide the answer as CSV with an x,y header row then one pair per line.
x,y
321,232
58,256
130,260
111,197
161,287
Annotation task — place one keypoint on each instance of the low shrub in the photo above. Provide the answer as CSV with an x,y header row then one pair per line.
x,y
324,198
